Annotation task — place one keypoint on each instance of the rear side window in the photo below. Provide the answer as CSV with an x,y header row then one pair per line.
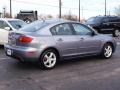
x,y
114,19
35,26
3,24
62,29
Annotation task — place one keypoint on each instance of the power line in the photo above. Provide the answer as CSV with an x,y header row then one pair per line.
x,y
52,5
36,3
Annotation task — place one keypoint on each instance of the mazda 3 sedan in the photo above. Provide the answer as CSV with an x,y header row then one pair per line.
x,y
50,41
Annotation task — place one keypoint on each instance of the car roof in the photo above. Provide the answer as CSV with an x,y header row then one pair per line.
x,y
53,21
107,16
8,19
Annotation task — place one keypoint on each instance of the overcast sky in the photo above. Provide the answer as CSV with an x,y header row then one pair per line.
x,y
88,7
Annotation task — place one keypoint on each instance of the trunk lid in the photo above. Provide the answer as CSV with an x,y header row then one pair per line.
x,y
17,38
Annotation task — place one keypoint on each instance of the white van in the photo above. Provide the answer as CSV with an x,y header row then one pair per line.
x,y
7,25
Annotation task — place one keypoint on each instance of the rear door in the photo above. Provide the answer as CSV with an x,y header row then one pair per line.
x,y
108,24
87,42
3,32
65,39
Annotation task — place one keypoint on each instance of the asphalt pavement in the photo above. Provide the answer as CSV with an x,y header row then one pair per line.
x,y
91,73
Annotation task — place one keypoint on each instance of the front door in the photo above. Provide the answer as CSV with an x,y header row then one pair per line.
x,y
87,42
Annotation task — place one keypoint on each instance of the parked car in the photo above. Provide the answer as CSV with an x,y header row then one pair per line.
x,y
105,24
7,25
49,41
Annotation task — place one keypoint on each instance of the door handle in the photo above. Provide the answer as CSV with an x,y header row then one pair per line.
x,y
60,39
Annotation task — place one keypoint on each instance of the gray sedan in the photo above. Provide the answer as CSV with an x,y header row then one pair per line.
x,y
49,41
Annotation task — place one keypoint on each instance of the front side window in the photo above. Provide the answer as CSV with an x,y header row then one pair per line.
x,y
113,19
62,29
1,24
81,29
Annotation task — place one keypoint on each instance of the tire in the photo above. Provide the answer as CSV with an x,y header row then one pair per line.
x,y
48,59
116,33
107,51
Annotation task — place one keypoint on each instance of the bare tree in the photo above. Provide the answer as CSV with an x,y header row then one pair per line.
x,y
70,16
43,16
117,10
7,15
49,16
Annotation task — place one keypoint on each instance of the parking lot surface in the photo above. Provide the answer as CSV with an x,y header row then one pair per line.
x,y
91,73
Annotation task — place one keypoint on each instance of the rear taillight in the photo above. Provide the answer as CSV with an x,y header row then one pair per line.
x,y
25,39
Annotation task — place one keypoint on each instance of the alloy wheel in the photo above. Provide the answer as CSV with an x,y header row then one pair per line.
x,y
49,59
108,51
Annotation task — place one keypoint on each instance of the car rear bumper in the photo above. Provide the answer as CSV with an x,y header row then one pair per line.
x,y
22,53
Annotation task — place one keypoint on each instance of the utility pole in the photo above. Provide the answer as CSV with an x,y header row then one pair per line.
x,y
82,12
0,15
79,10
105,8
10,8
4,12
60,5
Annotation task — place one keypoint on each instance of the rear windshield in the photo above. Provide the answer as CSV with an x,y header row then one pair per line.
x,y
17,24
34,26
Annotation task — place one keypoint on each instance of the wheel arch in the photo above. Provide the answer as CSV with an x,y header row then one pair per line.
x,y
52,48
113,47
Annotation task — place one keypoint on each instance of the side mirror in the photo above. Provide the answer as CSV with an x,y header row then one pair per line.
x,y
93,33
7,28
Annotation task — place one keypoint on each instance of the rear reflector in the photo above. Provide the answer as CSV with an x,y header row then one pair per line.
x,y
25,39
